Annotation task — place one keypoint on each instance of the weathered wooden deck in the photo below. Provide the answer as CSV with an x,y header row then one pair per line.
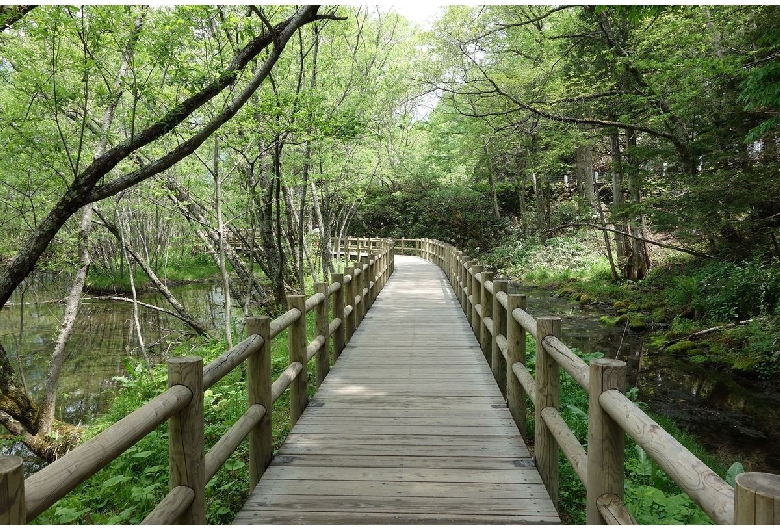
x,y
408,427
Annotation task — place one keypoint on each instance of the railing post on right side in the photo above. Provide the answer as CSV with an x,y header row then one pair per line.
x,y
515,353
547,395
365,266
259,390
13,508
605,437
486,299
322,359
357,292
467,287
499,328
349,300
186,456
338,312
757,499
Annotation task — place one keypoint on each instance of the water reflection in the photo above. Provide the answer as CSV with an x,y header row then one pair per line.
x,y
103,336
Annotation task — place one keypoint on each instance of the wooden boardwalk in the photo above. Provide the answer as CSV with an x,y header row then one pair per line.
x,y
408,427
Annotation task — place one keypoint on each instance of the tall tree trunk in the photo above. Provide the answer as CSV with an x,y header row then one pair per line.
x,y
640,258
585,172
46,418
622,245
124,229
222,245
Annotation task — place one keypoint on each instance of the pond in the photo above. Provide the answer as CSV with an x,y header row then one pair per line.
x,y
103,339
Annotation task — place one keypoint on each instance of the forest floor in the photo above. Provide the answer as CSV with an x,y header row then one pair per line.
x,y
724,314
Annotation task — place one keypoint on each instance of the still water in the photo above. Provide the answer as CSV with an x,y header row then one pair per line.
x,y
103,339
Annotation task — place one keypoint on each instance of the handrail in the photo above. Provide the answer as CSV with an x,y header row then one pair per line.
x,y
610,414
183,401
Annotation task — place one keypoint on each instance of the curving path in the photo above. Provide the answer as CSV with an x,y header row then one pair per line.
x,y
408,427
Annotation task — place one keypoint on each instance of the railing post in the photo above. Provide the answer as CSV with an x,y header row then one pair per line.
x,y
467,286
296,335
186,457
349,299
547,395
322,362
605,437
259,390
515,353
484,337
338,312
13,509
357,292
499,328
365,265
476,293
757,499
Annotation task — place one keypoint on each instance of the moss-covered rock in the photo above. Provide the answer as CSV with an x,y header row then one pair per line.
x,y
637,323
608,320
624,306
681,347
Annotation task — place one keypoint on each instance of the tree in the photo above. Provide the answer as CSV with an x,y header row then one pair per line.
x,y
58,98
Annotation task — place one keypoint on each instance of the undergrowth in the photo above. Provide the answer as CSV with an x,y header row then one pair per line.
x,y
126,490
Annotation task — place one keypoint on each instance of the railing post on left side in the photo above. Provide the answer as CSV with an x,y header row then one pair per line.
x,y
296,334
548,394
13,508
186,456
259,390
322,362
605,437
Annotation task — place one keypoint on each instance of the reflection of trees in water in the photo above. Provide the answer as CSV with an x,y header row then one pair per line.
x,y
102,338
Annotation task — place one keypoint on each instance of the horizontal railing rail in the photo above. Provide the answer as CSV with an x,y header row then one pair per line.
x,y
500,322
347,298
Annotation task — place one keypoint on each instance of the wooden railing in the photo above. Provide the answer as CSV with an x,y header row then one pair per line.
x,y
500,322
348,298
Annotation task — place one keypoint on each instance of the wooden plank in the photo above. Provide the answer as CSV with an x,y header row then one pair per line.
x,y
384,430
409,505
517,475
375,488
276,516
401,461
